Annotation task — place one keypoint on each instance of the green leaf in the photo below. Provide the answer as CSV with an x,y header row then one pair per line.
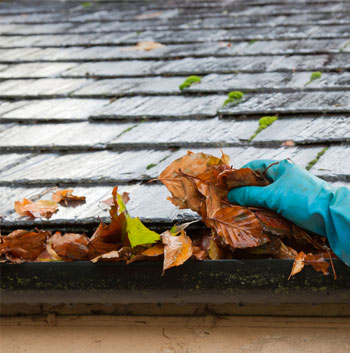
x,y
138,233
121,204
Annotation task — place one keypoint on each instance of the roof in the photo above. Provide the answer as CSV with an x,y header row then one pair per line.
x,y
79,109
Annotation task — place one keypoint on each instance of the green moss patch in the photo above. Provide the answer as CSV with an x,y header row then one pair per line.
x,y
314,161
190,80
264,122
86,4
314,76
234,97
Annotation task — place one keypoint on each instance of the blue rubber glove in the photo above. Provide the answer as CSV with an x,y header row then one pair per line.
x,y
304,199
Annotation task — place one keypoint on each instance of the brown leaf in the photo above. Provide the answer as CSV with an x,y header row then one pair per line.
x,y
239,227
199,254
147,46
40,208
318,262
22,245
68,247
114,256
66,198
273,223
233,178
177,249
147,16
149,254
176,177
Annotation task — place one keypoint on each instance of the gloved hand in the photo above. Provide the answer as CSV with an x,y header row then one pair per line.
x,y
304,199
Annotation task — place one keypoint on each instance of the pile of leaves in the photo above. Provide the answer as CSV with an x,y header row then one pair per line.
x,y
196,181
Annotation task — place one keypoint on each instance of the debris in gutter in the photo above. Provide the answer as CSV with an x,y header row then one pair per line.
x,y
199,182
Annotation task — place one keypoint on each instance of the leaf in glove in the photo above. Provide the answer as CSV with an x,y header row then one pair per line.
x,y
40,208
22,245
177,249
176,178
69,247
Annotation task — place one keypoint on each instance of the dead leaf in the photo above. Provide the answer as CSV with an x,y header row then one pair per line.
x,y
40,208
317,261
233,178
177,249
298,264
239,227
151,253
288,143
69,247
114,256
23,245
66,198
147,46
149,15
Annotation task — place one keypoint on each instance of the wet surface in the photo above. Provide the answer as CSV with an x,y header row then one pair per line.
x,y
80,107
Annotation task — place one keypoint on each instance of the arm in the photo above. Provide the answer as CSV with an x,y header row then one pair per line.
x,y
304,199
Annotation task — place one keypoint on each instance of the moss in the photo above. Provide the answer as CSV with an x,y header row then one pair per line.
x,y
190,80
151,166
252,41
234,97
127,130
86,4
314,161
264,122
314,76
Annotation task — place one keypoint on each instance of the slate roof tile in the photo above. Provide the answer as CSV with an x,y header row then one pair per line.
x,y
59,63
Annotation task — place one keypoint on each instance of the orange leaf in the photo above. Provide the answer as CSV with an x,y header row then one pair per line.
x,y
69,247
177,249
151,253
41,208
298,264
23,245
65,197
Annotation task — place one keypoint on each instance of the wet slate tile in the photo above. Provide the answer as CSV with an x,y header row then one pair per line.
x,y
18,41
130,86
261,82
239,156
42,28
35,70
161,107
290,103
334,164
307,130
67,136
51,109
17,55
9,160
50,87
86,168
118,68
191,133
95,209
307,46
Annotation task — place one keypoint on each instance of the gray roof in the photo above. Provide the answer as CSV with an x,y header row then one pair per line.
x,y
79,109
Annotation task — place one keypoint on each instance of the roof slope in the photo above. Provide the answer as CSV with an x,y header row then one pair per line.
x,y
78,108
